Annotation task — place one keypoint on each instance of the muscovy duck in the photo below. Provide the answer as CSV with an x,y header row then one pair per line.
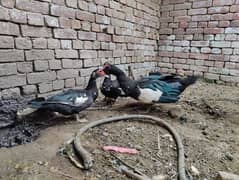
x,y
153,88
69,102
111,90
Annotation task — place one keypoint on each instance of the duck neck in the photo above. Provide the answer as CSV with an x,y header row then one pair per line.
x,y
92,86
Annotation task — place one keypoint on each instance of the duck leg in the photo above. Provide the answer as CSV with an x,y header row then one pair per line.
x,y
80,118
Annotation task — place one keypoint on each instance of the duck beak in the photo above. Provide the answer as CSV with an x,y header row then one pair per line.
x,y
101,73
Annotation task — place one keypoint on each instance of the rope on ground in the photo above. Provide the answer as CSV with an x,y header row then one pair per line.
x,y
87,158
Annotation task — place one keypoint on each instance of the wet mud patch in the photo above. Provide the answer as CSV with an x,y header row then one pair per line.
x,y
15,132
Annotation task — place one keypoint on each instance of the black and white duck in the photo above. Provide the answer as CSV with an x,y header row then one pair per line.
x,y
155,88
69,102
111,90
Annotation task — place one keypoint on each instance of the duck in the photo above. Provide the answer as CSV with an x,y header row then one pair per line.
x,y
69,102
154,88
111,90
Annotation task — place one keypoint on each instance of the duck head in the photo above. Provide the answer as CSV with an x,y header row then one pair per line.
x,y
97,73
111,69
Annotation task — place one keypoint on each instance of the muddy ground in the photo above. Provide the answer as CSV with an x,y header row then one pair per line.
x,y
208,125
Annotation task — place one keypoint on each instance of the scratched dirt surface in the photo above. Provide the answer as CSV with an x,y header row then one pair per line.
x,y
207,119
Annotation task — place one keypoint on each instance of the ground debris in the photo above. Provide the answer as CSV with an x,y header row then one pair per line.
x,y
226,176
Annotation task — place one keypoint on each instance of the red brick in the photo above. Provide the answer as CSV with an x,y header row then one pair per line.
x,y
230,65
62,11
224,23
182,18
178,13
102,19
222,2
197,11
180,54
234,8
221,17
102,2
235,16
198,56
193,24
202,24
118,38
213,24
179,31
85,16
65,22
213,30
183,6
115,5
166,19
200,4
87,35
200,43
216,57
201,18
33,6
165,53
76,24
103,37
165,31
235,23
218,10
105,54
194,30
183,24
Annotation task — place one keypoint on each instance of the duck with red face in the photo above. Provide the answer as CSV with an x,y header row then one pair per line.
x,y
153,88
68,102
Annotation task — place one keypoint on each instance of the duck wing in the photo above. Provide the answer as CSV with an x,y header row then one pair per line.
x,y
169,91
68,102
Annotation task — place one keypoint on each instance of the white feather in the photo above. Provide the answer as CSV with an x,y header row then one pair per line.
x,y
81,100
149,96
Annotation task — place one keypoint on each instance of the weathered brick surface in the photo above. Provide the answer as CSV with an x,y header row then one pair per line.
x,y
8,69
23,43
39,77
33,6
65,34
6,42
11,55
48,42
33,31
51,21
205,34
39,55
67,73
8,28
67,54
62,11
12,81
35,19
83,35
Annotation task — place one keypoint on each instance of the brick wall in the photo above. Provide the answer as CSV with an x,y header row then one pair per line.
x,y
200,37
49,45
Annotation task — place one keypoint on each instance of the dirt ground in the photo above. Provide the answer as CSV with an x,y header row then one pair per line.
x,y
208,124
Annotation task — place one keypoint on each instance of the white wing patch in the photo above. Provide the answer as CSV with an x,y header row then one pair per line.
x,y
149,96
81,100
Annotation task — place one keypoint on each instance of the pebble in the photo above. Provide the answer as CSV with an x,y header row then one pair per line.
x,y
229,156
105,134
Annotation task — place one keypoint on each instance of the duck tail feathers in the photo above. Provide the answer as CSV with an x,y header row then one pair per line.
x,y
188,81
